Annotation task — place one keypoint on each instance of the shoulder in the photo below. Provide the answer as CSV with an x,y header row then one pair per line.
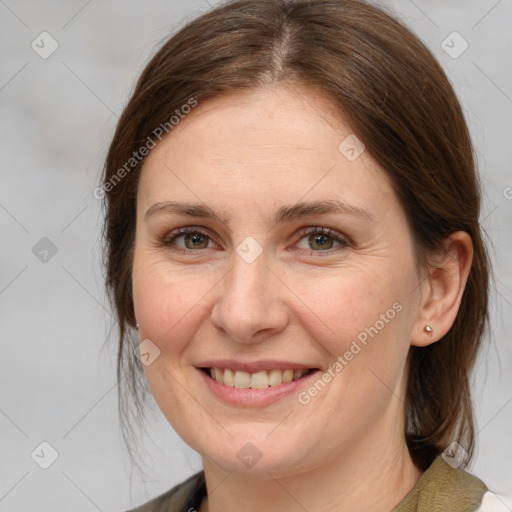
x,y
183,496
446,488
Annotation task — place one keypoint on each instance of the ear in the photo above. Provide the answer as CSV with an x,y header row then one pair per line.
x,y
442,289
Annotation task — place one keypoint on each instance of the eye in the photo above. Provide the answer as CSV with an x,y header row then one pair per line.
x,y
319,239
193,239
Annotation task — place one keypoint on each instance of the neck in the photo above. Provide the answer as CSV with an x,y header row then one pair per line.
x,y
372,479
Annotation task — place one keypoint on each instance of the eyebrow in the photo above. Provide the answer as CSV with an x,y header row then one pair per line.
x,y
283,214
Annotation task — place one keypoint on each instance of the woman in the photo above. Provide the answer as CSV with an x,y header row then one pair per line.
x,y
292,226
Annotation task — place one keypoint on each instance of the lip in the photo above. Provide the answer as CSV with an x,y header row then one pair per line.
x,y
255,397
255,366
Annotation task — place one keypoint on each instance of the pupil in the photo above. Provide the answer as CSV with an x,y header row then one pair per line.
x,y
320,240
195,238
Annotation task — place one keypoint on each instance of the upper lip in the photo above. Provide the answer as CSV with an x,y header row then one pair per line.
x,y
252,367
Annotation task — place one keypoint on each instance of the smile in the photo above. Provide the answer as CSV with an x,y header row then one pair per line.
x,y
254,389
258,380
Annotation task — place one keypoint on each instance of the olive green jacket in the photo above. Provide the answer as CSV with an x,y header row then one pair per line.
x,y
440,489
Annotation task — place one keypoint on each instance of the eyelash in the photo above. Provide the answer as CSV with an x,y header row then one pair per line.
x,y
170,238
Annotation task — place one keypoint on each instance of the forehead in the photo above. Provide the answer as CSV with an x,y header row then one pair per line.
x,y
267,146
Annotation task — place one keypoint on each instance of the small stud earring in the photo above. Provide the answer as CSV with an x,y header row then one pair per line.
x,y
137,326
428,329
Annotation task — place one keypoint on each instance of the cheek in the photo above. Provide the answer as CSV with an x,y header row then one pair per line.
x,y
361,320
341,306
169,307
168,303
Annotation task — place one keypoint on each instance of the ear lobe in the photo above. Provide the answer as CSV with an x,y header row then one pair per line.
x,y
441,292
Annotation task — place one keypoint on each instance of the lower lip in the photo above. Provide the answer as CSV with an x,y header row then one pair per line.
x,y
249,397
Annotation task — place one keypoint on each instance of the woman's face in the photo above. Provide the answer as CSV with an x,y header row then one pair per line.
x,y
256,283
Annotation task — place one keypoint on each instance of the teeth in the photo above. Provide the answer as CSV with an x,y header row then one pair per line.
x,y
259,380
228,377
242,380
217,374
275,377
288,375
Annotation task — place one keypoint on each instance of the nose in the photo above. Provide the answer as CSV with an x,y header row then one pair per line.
x,y
251,304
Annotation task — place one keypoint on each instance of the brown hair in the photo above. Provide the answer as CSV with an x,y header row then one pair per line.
x,y
397,100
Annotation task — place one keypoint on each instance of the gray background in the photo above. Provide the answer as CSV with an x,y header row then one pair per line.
x,y
57,115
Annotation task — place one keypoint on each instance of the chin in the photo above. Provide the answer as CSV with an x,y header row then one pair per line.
x,y
261,458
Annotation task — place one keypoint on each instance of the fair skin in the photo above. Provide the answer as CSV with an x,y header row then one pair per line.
x,y
245,155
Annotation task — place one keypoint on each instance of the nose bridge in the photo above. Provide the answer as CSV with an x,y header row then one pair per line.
x,y
249,301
